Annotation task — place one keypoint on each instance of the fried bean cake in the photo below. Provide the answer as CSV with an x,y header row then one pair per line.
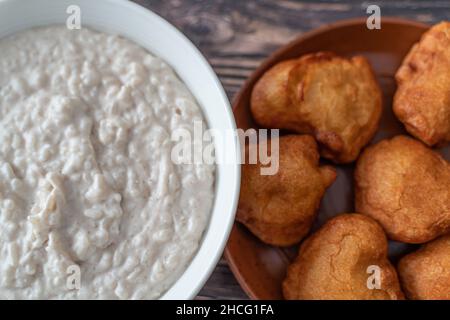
x,y
346,259
280,208
405,186
335,99
422,99
425,274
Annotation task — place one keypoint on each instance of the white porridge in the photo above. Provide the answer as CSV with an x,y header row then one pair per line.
x,y
86,177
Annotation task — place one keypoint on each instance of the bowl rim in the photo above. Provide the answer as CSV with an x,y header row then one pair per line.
x,y
272,59
193,278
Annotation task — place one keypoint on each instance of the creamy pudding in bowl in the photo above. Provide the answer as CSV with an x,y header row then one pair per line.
x,y
87,178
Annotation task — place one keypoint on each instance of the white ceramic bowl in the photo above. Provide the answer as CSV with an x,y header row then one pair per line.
x,y
161,38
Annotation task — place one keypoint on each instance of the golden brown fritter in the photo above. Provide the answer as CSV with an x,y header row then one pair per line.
x,y
422,100
336,262
405,186
279,209
425,274
335,99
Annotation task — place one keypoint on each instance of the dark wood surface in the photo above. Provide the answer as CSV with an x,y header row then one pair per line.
x,y
236,35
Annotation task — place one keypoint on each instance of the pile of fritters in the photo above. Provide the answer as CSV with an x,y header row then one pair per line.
x,y
402,187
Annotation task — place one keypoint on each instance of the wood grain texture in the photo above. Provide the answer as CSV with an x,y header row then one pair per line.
x,y
235,36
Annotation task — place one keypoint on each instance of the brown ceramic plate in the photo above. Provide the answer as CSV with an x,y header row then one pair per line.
x,y
260,268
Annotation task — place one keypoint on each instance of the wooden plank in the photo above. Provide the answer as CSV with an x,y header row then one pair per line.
x,y
236,36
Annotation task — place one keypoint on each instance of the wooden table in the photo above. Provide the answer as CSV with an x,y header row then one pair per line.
x,y
236,35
